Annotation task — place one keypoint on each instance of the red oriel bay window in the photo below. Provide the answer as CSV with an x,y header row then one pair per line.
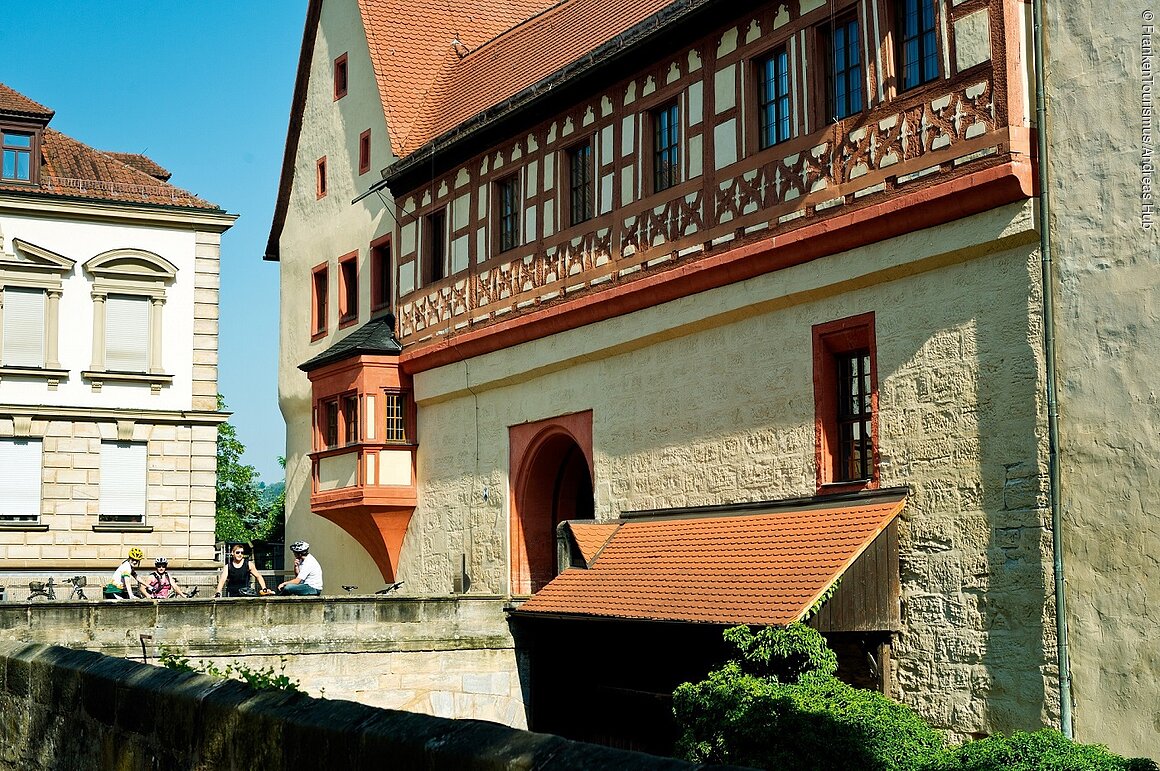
x,y
846,404
363,459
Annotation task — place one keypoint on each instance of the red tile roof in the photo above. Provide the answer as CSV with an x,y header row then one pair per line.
x,y
751,569
142,163
15,103
411,47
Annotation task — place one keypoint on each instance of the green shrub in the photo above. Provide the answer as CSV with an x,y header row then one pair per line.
x,y
817,723
1044,750
257,678
785,654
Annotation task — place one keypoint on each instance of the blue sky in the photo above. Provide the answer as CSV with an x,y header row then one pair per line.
x,y
203,88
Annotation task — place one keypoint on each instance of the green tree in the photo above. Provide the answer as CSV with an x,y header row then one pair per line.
x,y
242,515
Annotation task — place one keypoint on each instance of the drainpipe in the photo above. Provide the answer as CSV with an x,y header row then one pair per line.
x,y
1065,724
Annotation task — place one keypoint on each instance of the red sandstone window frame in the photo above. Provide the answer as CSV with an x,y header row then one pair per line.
x,y
341,76
364,152
831,340
381,273
319,300
347,289
320,177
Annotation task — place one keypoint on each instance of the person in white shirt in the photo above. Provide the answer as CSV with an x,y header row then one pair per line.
x,y
308,581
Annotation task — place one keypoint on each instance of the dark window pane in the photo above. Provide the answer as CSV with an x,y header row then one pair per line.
x,y
580,183
918,42
773,111
855,408
666,148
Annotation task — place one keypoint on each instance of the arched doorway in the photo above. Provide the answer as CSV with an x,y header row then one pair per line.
x,y
552,483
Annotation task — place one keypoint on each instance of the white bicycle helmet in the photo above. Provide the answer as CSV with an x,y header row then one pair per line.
x,y
300,547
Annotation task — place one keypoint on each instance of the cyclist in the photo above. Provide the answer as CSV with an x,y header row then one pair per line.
x,y
235,576
162,585
125,582
309,578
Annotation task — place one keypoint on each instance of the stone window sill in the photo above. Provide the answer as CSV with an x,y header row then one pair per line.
x,y
121,527
27,527
155,379
51,376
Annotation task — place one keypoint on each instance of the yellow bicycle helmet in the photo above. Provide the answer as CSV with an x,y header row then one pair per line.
x,y
136,554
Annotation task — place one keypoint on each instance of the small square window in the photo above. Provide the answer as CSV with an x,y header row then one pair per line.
x,y
435,261
321,177
340,77
16,147
773,98
666,147
507,197
320,279
348,289
381,273
364,152
580,183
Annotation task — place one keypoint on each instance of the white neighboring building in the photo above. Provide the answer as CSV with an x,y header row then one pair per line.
x,y
108,357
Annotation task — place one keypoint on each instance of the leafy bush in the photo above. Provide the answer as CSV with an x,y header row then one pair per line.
x,y
782,653
1044,750
817,723
257,678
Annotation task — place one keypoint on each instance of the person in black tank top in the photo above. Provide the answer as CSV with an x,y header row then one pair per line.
x,y
236,575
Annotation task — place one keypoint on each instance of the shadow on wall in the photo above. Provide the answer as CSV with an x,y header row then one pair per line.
x,y
65,708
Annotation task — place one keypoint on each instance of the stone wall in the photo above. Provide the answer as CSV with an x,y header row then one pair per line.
x,y
67,709
710,400
449,657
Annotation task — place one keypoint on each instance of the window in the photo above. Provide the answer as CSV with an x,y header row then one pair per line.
x,y
129,291
23,327
381,273
917,42
845,402
123,490
17,159
321,177
127,333
32,285
320,281
773,98
364,152
843,50
348,289
20,474
435,264
350,433
580,183
507,196
396,415
330,423
340,77
666,147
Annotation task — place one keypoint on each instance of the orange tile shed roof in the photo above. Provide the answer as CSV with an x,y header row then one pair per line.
x,y
590,538
764,569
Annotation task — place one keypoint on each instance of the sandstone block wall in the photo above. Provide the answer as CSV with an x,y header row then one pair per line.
x,y
77,709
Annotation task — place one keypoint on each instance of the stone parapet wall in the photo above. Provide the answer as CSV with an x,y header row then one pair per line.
x,y
66,708
448,657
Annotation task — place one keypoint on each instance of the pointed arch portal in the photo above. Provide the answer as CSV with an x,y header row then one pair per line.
x,y
552,473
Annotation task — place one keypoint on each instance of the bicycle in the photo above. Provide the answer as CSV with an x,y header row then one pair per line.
x,y
47,589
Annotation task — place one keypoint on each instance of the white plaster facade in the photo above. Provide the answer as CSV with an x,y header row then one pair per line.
x,y
82,409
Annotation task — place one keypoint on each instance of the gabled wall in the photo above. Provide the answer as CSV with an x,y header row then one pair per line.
x,y
320,231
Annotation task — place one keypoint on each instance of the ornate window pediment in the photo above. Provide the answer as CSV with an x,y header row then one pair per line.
x,y
129,288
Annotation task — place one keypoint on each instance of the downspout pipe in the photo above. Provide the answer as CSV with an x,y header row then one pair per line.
x,y
1047,278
